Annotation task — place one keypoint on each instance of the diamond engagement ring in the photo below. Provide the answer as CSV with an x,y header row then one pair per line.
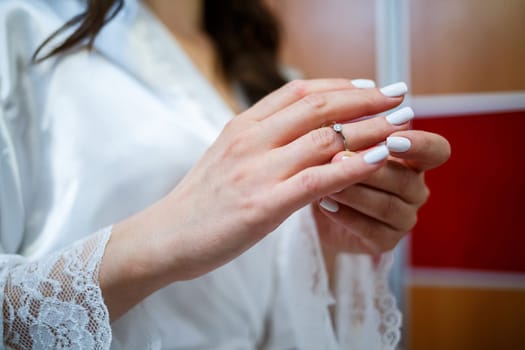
x,y
338,128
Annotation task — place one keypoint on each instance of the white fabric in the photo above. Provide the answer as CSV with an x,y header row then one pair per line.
x,y
91,138
56,302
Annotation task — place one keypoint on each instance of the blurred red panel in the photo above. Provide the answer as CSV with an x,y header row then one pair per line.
x,y
475,217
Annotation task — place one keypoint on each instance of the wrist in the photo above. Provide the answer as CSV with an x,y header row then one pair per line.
x,y
136,260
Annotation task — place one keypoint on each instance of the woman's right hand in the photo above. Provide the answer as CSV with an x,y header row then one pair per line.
x,y
267,163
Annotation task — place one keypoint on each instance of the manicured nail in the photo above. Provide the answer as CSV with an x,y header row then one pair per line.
x,y
363,83
400,116
398,144
395,90
329,205
376,154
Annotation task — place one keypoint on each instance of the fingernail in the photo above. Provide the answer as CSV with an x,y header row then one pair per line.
x,y
400,116
376,154
395,90
363,83
347,155
398,144
329,205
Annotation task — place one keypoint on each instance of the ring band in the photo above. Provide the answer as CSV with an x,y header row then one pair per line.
x,y
338,128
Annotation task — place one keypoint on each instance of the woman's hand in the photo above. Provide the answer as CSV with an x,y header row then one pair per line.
x,y
268,162
375,214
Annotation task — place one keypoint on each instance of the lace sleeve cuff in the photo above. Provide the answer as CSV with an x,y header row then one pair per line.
x,y
56,302
366,314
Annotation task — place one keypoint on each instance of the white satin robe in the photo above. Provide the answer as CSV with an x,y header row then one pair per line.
x,y
91,138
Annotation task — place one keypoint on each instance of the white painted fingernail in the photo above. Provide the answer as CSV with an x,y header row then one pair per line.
x,y
329,205
398,144
400,116
395,90
376,154
363,83
345,157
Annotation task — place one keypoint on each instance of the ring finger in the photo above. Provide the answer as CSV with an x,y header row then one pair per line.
x,y
320,145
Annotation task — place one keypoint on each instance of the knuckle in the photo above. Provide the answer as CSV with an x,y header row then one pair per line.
x,y
297,88
230,126
387,239
409,223
236,127
447,150
369,232
254,218
323,138
376,248
253,210
412,222
238,144
310,182
314,101
389,208
405,182
425,194
427,146
421,191
239,177
389,243
415,219
380,125
368,100
428,143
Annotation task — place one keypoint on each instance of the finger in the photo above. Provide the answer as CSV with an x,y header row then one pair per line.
x,y
317,109
382,206
296,90
319,145
421,150
397,179
315,148
368,132
318,181
377,236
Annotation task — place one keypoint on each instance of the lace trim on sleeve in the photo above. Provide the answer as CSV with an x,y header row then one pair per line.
x,y
367,313
304,283
56,303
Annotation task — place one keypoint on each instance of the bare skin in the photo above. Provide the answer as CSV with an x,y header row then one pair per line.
x,y
184,235
183,19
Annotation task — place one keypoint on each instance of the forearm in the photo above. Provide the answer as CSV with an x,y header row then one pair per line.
x,y
137,260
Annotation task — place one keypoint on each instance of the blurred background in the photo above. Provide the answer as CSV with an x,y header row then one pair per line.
x,y
460,275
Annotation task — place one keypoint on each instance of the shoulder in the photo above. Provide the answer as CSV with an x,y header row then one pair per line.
x,y
24,9
24,25
32,18
43,7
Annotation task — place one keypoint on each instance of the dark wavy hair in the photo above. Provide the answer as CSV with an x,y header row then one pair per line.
x,y
244,32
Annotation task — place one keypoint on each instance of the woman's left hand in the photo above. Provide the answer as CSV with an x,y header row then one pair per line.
x,y
371,217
